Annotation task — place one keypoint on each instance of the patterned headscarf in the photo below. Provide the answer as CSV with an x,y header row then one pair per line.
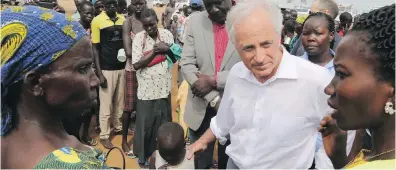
x,y
31,38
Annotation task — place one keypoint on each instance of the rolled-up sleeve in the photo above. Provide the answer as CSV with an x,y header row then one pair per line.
x,y
224,120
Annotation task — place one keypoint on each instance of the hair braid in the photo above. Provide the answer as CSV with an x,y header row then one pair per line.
x,y
380,25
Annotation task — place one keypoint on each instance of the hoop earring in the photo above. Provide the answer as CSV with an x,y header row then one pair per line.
x,y
389,108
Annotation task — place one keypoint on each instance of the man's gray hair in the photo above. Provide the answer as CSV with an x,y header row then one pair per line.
x,y
244,8
330,5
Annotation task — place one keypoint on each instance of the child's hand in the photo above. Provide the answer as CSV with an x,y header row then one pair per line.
x,y
195,147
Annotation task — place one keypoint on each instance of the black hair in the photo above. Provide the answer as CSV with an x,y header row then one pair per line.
x,y
286,16
380,26
330,22
96,2
289,26
185,10
293,11
171,143
130,9
148,12
345,16
87,3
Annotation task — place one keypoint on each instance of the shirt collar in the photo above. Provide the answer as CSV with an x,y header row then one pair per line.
x,y
287,70
118,16
329,65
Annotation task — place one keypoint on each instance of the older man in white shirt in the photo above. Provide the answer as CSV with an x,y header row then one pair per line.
x,y
273,101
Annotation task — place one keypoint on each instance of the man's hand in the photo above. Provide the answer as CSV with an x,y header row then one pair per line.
x,y
196,147
161,47
334,141
103,81
203,85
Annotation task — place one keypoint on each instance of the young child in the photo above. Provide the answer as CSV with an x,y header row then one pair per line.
x,y
171,153
173,29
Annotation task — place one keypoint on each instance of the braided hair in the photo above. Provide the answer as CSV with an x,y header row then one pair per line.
x,y
379,24
330,23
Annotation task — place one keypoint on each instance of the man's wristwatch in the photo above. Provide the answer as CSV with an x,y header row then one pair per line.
x,y
214,101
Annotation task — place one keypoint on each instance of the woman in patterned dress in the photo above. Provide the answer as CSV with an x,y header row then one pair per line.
x,y
154,84
46,75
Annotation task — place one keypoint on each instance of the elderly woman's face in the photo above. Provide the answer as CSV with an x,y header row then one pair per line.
x,y
356,93
258,44
70,86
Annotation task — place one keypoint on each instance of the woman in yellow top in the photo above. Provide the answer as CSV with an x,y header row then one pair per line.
x,y
363,92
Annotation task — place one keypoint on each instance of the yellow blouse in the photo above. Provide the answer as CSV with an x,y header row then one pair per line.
x,y
360,163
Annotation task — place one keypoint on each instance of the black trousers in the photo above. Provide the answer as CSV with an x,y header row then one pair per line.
x,y
203,160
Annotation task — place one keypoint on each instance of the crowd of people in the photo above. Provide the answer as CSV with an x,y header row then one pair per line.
x,y
269,91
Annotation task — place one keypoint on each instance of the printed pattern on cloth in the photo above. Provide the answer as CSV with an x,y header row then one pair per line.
x,y
69,158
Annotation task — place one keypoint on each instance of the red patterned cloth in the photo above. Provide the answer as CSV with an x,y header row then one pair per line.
x,y
220,41
130,96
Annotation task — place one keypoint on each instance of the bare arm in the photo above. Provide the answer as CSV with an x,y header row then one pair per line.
x,y
144,61
126,37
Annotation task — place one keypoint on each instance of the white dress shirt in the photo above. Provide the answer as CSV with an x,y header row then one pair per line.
x,y
273,124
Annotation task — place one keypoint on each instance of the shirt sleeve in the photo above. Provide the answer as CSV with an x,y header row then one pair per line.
x,y
168,37
137,52
224,120
95,31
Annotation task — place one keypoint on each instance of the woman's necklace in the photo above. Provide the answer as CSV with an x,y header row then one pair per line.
x,y
359,159
371,157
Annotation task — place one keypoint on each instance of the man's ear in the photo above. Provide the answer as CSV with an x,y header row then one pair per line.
x,y
32,81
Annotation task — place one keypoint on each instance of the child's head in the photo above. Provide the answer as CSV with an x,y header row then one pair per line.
x,y
345,19
171,143
175,18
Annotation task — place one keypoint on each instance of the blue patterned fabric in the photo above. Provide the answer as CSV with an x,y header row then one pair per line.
x,y
31,38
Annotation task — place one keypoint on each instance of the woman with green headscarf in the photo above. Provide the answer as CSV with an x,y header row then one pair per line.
x,y
46,75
